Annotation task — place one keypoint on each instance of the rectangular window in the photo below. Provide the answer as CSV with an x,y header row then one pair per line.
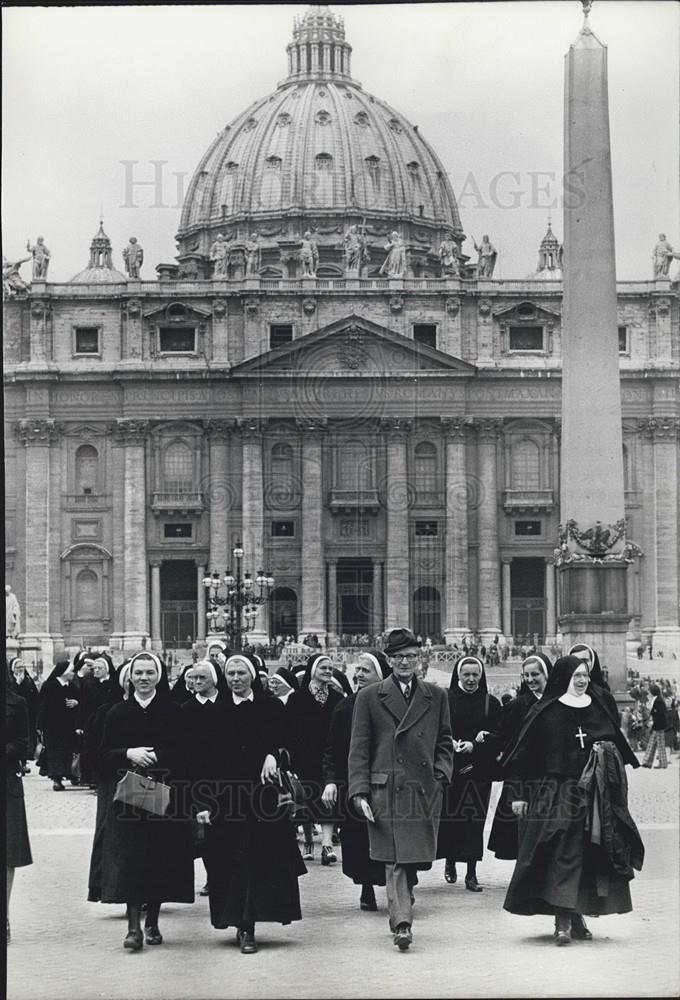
x,y
623,340
425,333
526,338
427,529
525,528
280,334
177,531
86,340
177,340
283,529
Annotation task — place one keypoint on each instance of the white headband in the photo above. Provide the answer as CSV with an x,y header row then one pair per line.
x,y
124,675
211,667
148,656
539,661
374,661
237,658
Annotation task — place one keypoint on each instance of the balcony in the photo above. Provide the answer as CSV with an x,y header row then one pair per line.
x,y
525,501
87,501
348,500
177,503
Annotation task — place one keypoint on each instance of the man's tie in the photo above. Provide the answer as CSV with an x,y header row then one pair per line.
x,y
407,692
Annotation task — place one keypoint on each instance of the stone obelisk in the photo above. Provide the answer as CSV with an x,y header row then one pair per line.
x,y
592,556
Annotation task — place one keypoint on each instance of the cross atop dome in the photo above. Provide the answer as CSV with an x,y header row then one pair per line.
x,y
100,249
319,48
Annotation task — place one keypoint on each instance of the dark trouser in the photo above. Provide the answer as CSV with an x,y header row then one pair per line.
x,y
400,882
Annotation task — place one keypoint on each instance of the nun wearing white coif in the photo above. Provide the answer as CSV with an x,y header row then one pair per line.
x,y
146,858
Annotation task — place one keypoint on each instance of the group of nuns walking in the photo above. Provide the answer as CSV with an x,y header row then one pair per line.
x,y
216,742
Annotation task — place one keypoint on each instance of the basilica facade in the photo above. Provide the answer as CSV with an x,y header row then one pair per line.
x,y
325,378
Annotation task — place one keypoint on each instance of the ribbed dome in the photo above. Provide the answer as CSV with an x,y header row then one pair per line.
x,y
318,147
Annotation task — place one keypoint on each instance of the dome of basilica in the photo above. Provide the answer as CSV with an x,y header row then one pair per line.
x,y
318,153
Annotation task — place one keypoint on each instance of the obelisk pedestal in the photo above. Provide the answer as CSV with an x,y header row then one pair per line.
x,y
593,556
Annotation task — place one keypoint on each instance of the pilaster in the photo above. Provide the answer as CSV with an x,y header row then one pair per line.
x,y
488,432
396,491
312,563
456,432
252,503
219,493
131,435
41,600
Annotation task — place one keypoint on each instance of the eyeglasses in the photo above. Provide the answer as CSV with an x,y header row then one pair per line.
x,y
411,657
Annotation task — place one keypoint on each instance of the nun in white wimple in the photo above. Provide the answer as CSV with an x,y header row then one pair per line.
x,y
145,858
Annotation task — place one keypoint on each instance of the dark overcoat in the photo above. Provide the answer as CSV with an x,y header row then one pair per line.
x,y
400,755
356,860
250,852
16,749
58,724
146,858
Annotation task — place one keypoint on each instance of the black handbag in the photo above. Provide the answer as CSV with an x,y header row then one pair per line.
x,y
142,792
288,782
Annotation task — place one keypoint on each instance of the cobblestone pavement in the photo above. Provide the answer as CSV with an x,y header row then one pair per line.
x,y
465,944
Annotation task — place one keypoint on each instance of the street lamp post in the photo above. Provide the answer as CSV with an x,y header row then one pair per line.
x,y
239,607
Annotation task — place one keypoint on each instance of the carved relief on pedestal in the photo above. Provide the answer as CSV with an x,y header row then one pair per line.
x,y
251,308
453,305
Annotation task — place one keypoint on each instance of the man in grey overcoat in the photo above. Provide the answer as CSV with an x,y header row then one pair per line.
x,y
401,757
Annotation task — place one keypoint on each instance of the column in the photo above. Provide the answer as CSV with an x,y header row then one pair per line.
x,y
648,540
332,565
313,576
456,538
219,494
132,435
40,330
506,565
665,436
487,529
397,583
200,603
252,530
37,435
378,612
550,609
156,640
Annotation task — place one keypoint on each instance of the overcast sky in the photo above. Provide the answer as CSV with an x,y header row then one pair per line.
x,y
86,88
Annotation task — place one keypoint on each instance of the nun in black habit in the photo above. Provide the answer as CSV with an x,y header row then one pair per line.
x,y
310,711
18,848
503,839
373,666
95,691
251,855
21,681
564,866
582,651
475,723
115,692
146,858
59,721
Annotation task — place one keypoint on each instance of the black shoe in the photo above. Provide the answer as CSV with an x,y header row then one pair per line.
x,y
367,900
134,941
472,884
308,851
57,786
152,935
403,937
562,932
248,946
336,839
328,856
579,930
205,891
450,873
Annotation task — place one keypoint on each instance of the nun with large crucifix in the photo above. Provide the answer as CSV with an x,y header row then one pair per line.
x,y
578,844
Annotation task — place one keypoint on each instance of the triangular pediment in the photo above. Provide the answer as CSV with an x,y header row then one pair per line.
x,y
526,312
353,346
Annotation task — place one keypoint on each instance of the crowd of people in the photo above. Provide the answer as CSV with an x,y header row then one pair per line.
x,y
233,764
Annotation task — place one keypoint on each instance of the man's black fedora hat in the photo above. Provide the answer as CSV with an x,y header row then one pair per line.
x,y
398,639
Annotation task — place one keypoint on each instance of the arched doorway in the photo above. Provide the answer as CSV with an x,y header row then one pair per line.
x,y
283,612
427,612
179,598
